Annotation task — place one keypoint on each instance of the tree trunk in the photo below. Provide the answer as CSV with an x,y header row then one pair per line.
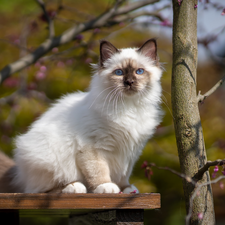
x,y
188,129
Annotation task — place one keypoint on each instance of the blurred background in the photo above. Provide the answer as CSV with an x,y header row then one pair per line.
x,y
24,96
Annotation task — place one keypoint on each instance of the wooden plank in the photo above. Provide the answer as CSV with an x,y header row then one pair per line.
x,y
79,201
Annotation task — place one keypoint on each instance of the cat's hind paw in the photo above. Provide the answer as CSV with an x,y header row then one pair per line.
x,y
75,187
130,189
107,188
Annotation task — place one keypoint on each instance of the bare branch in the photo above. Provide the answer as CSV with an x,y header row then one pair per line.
x,y
135,15
19,93
187,178
39,95
15,45
135,5
8,99
199,174
197,186
68,36
201,98
49,20
196,192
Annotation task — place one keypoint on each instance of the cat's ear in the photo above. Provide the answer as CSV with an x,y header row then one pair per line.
x,y
149,49
106,51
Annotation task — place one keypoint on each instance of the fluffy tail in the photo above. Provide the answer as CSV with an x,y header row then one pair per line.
x,y
7,172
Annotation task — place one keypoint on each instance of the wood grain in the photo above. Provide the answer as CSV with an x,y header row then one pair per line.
x,y
79,201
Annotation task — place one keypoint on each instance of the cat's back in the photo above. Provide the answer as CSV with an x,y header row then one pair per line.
x,y
52,126
58,111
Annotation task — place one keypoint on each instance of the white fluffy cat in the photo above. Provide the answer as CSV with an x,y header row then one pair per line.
x,y
89,142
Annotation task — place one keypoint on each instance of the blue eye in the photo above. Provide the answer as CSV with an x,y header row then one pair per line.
x,y
139,71
119,72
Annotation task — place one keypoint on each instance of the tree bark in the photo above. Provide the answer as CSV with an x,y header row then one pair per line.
x,y
188,129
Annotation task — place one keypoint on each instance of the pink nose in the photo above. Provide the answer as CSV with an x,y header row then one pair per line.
x,y
129,82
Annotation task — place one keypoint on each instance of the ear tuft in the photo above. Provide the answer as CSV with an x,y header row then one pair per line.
x,y
106,51
149,49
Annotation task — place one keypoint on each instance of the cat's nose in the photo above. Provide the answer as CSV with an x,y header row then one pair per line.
x,y
129,82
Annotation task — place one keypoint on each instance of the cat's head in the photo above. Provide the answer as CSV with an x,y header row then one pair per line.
x,y
130,70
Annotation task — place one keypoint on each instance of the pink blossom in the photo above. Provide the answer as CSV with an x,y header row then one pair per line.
x,y
216,169
43,68
213,174
96,30
40,75
32,86
69,62
50,13
221,185
60,64
11,82
196,6
37,64
200,216
144,165
179,2
55,50
165,23
79,37
16,107
223,171
17,41
223,12
148,173
88,60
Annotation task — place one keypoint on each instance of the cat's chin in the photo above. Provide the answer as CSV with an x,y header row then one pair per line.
x,y
130,92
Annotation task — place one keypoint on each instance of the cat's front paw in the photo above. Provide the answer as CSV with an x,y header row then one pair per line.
x,y
130,189
75,187
107,188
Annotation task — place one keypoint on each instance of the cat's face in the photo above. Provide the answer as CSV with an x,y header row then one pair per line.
x,y
130,76
129,70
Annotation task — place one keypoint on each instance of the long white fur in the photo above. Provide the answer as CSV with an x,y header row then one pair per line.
x,y
119,127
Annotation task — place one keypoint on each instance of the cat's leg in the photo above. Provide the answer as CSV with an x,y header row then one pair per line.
x,y
96,171
126,187
130,189
124,184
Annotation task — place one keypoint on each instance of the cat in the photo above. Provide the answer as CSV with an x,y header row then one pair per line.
x,y
90,141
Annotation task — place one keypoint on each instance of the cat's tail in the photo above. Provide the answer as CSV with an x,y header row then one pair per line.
x,y
7,173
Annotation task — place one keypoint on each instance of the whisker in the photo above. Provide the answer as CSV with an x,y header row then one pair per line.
x,y
121,96
164,98
111,97
168,108
107,97
115,101
167,92
98,96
